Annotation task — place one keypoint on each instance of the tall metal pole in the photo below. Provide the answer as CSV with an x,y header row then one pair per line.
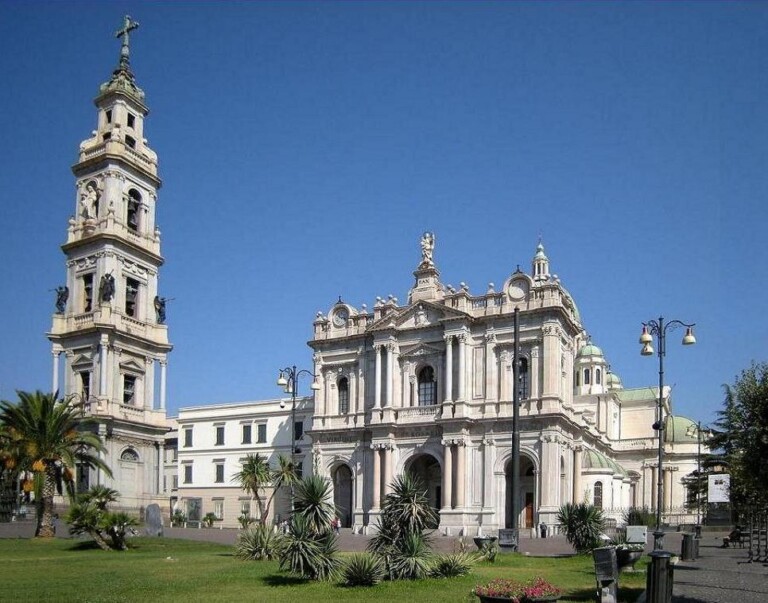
x,y
698,476
658,535
516,432
293,379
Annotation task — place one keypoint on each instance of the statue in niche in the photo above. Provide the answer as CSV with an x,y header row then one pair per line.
x,y
421,316
107,287
427,247
89,201
62,295
160,309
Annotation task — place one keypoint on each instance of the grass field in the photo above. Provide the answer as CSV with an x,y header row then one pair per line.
x,y
186,571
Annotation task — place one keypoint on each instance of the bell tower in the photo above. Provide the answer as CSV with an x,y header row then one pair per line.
x,y
109,327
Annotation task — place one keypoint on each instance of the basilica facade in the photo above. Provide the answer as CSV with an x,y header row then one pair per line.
x,y
428,387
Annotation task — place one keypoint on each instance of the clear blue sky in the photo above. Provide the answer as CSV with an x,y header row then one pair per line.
x,y
304,147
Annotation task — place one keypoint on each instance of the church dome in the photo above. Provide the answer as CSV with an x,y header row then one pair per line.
x,y
540,255
597,460
680,430
613,381
590,350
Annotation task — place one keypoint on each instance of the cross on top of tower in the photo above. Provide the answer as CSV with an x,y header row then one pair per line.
x,y
128,26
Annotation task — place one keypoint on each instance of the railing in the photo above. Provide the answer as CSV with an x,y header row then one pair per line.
x,y
83,320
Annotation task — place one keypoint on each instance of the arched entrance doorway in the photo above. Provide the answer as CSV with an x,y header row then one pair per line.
x,y
526,496
342,494
427,469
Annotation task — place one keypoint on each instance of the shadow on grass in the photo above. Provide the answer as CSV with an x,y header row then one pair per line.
x,y
625,594
283,580
85,545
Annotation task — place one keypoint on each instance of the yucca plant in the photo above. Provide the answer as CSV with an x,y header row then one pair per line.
x,y
410,558
314,502
117,525
301,549
452,565
583,524
363,569
258,542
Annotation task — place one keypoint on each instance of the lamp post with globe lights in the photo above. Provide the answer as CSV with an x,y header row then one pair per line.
x,y
659,328
289,380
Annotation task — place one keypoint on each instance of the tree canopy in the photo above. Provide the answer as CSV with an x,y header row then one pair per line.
x,y
742,435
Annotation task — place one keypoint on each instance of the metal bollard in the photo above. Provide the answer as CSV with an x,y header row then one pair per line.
x,y
658,585
687,548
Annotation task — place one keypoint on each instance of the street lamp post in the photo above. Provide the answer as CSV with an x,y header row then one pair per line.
x,y
288,379
659,328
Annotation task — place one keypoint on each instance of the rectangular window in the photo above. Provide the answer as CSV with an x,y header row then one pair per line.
x,y
246,434
85,384
130,142
188,437
219,435
219,473
109,116
87,292
131,296
175,482
218,508
129,389
262,433
165,483
188,473
245,508
298,430
131,120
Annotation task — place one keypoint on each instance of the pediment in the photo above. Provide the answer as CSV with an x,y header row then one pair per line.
x,y
419,315
82,360
418,350
131,365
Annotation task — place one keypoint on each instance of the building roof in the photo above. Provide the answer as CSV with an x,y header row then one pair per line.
x,y
680,430
597,460
590,350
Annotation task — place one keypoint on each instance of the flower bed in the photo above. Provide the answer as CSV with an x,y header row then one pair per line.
x,y
513,591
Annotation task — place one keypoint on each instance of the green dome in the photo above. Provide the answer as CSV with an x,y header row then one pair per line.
x,y
680,430
613,381
590,350
597,460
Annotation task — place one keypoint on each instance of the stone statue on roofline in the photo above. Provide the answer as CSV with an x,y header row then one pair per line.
x,y
427,248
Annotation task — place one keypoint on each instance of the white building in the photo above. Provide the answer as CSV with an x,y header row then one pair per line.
x,y
215,439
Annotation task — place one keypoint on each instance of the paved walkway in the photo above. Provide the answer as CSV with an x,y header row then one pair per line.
x,y
718,576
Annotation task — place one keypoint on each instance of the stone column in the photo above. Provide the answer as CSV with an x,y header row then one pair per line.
x,y
391,359
149,383
533,373
376,477
353,390
578,494
377,377
551,361
56,354
491,379
361,387
404,400
163,382
462,393
103,365
461,482
488,459
387,468
447,475
505,376
449,368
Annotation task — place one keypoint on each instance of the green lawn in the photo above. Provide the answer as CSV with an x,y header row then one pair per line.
x,y
186,571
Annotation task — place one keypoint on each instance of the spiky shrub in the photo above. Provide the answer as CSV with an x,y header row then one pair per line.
x,y
117,525
410,558
313,501
363,569
639,516
258,542
451,566
306,553
583,523
400,538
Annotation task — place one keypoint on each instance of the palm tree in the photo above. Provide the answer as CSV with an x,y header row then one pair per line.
x,y
314,502
49,437
254,475
583,524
